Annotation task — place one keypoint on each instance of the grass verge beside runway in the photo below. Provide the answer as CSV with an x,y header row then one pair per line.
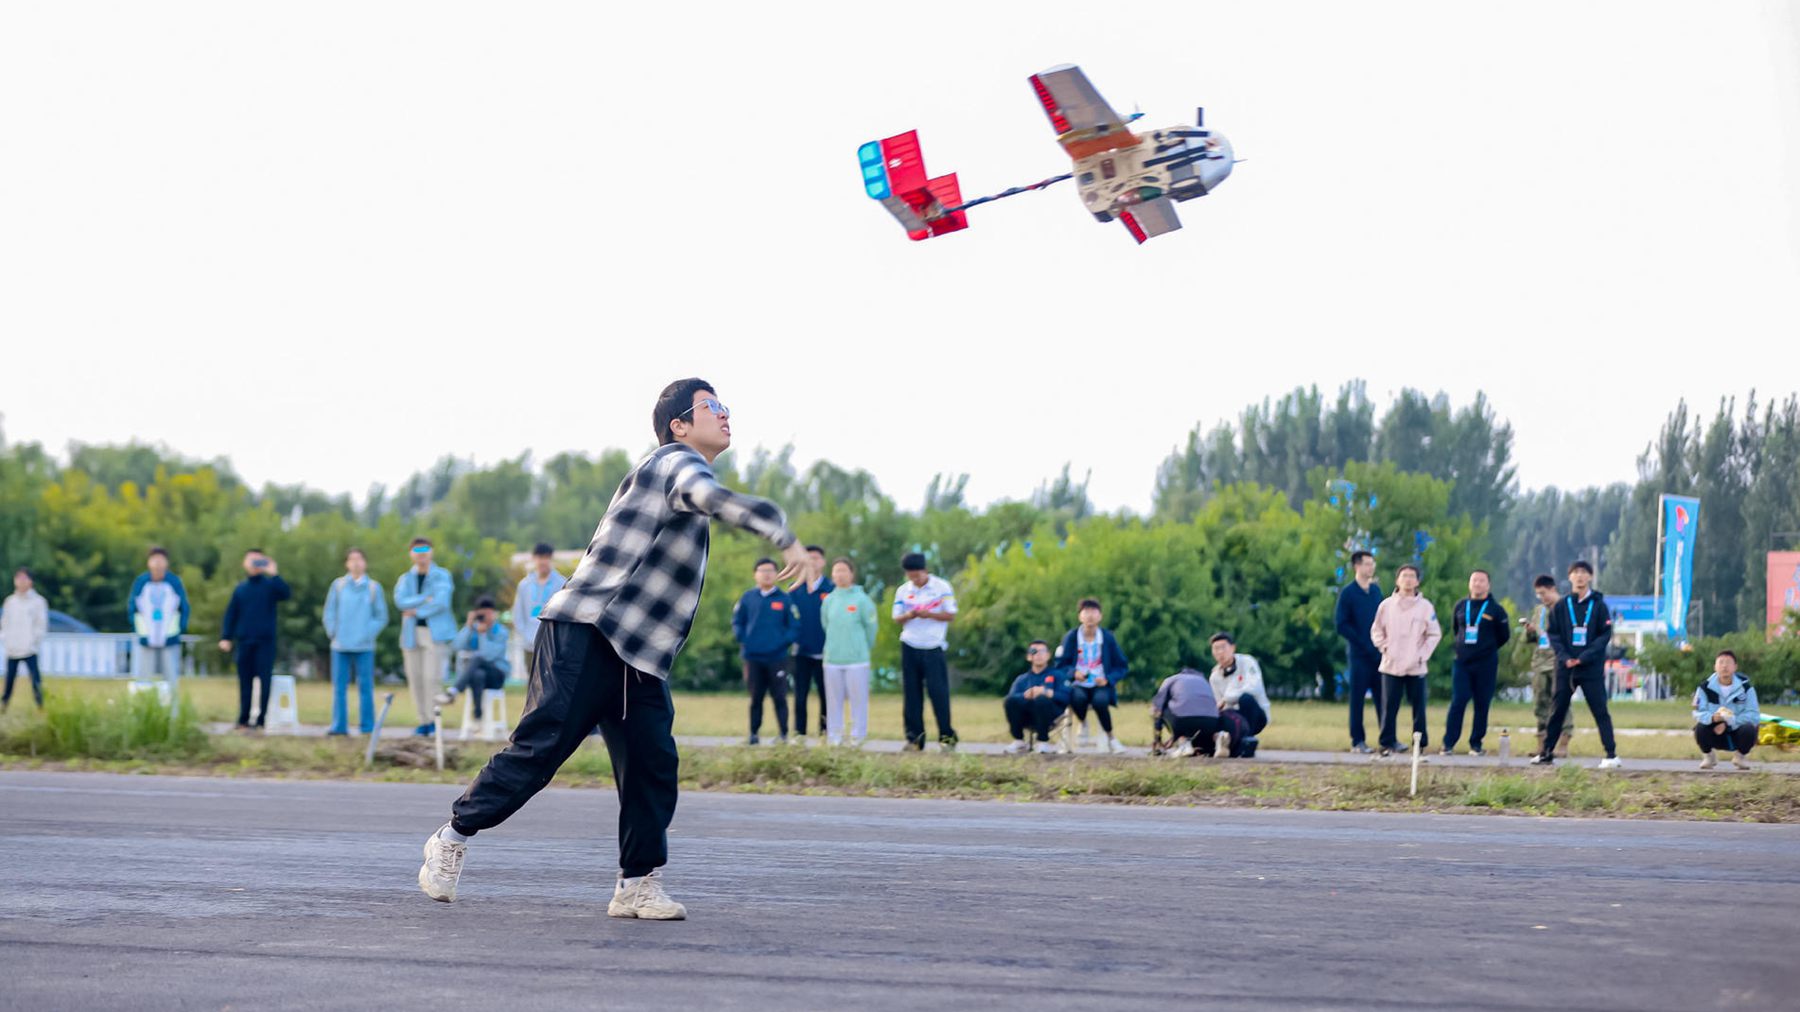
x,y
1566,790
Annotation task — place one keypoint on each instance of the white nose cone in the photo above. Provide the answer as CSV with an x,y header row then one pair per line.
x,y
1213,171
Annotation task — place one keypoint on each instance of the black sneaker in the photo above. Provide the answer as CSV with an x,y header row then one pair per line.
x,y
1541,760
752,740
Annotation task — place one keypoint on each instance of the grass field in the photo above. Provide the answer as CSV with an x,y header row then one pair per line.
x,y
1296,725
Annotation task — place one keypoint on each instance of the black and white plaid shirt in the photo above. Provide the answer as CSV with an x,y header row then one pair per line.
x,y
640,579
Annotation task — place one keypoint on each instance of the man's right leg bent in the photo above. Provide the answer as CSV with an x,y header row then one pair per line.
x,y
563,702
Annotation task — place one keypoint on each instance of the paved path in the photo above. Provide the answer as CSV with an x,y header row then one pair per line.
x,y
149,893
1345,758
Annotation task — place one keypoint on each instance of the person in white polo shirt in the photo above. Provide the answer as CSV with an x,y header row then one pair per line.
x,y
924,606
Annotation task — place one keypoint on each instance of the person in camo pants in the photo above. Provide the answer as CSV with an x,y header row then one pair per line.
x,y
1543,665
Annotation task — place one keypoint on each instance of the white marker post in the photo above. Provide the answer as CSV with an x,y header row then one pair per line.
x,y
1418,748
437,721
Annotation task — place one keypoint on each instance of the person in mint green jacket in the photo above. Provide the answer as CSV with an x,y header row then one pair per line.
x,y
848,615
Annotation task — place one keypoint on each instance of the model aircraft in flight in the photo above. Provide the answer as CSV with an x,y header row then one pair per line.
x,y
1136,179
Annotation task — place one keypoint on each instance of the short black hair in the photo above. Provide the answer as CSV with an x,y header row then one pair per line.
x,y
1726,653
353,550
26,570
1038,643
764,561
543,548
816,548
1581,564
156,550
912,560
416,542
254,551
1406,566
1089,602
1216,637
1359,555
1483,572
1545,580
484,601
675,400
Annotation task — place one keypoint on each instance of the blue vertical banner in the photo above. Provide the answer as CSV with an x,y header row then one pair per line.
x,y
1681,522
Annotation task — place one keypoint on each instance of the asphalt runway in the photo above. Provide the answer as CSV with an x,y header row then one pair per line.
x,y
153,892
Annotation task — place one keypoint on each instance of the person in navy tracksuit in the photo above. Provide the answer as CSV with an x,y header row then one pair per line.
x,y
1356,606
765,625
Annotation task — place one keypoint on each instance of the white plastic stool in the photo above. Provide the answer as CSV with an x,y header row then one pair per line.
x,y
281,712
493,714
161,688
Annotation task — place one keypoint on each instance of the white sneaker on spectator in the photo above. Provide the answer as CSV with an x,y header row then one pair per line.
x,y
1016,747
1045,748
1114,746
1082,740
856,743
1222,745
1060,747
1611,762
443,866
644,898
1184,748
1740,760
1707,761
444,698
834,742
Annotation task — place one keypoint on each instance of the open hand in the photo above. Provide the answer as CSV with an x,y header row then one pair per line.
x,y
793,559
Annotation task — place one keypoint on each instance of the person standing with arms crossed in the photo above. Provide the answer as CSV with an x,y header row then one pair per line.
x,y
605,647
1543,667
1580,631
1478,629
1406,631
1356,606
422,594
924,605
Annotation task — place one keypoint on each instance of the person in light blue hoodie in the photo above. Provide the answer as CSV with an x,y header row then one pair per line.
x,y
533,592
1725,714
482,641
158,609
355,613
422,595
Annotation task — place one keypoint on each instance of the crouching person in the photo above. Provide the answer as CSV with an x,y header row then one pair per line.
x,y
483,641
1037,698
1186,706
1237,683
1725,714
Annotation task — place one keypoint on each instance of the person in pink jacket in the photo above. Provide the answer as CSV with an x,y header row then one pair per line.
x,y
1406,632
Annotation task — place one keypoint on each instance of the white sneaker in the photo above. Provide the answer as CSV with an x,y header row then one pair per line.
x,y
800,740
834,742
444,698
1082,740
1184,748
1045,748
644,898
443,866
856,743
1114,745
1059,747
1707,761
1740,760
1610,763
1222,745
1017,747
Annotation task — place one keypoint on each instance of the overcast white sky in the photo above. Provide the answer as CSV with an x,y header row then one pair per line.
x,y
334,241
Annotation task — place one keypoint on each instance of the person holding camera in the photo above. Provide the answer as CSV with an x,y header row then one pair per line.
x,y
249,627
482,641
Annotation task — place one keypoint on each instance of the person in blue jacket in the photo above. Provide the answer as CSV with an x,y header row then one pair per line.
x,y
249,627
483,640
808,594
1356,606
1096,667
355,613
765,625
1725,714
158,612
1037,698
422,596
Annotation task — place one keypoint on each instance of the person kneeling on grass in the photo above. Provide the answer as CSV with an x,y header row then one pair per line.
x,y
1185,704
1725,714
483,641
1037,698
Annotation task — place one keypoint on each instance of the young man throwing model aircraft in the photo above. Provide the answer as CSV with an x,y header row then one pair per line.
x,y
605,646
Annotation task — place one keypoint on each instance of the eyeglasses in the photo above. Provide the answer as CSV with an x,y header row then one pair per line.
x,y
711,405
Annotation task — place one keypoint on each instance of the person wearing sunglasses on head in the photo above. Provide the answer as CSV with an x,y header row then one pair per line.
x,y
605,646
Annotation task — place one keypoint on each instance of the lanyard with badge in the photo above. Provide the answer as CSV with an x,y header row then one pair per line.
x,y
1543,625
1578,633
1472,627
